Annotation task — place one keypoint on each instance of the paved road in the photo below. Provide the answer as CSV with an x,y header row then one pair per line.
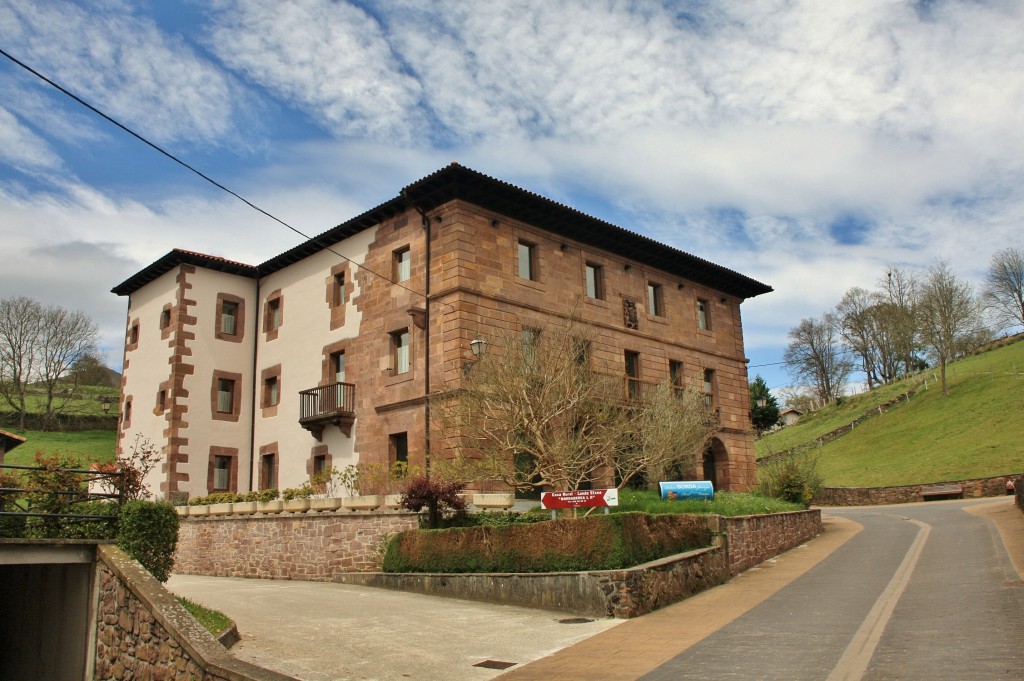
x,y
319,631
925,591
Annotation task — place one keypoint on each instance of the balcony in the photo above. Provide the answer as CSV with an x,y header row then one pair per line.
x,y
327,405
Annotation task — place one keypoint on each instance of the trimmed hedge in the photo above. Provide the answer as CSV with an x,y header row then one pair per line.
x,y
603,542
149,534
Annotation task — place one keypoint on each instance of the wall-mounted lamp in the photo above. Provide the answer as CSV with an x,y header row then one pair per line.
x,y
627,267
681,286
563,247
495,222
437,218
478,346
761,402
105,404
724,299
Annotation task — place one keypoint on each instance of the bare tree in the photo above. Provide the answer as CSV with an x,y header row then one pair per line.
x,y
20,321
533,414
1004,287
857,326
949,315
66,337
899,316
40,345
815,356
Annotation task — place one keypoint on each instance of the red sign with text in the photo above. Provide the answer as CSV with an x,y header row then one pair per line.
x,y
581,498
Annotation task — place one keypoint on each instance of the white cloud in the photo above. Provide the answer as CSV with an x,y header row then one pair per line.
x,y
21,148
328,58
126,66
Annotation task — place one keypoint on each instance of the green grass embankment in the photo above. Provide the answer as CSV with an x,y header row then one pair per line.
x,y
975,432
86,445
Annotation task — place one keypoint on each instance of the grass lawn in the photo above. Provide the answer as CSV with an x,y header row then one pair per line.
x,y
215,622
724,503
88,445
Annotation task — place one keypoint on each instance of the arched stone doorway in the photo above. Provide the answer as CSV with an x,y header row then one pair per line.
x,y
715,457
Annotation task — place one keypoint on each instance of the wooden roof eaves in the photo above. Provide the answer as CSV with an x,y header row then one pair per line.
x,y
175,258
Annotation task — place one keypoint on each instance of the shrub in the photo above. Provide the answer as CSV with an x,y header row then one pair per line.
x,y
149,534
438,496
10,525
304,492
605,542
133,465
793,478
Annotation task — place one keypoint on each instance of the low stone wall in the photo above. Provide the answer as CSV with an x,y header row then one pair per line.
x,y
310,546
142,632
753,539
603,593
741,543
874,496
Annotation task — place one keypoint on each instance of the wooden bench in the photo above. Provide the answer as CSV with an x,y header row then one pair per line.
x,y
951,491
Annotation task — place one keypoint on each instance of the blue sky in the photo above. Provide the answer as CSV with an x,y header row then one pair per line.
x,y
805,144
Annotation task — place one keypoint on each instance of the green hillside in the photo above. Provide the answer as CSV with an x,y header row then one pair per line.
x,y
977,431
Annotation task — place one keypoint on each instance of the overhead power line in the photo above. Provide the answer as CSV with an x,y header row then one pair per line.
x,y
204,176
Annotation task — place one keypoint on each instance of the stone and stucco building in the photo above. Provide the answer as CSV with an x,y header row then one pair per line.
x,y
251,377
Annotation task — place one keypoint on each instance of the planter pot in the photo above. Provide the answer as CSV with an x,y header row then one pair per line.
x,y
325,504
296,505
503,501
220,509
366,502
202,509
392,501
275,506
182,510
244,507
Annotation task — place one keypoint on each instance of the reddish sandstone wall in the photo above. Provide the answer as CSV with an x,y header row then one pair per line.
x,y
311,547
143,633
876,496
753,539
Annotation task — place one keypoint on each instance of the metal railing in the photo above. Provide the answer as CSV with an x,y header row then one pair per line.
x,y
27,501
327,401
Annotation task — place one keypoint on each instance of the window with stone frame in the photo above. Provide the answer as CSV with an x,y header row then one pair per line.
x,y
709,387
633,386
528,261
398,448
226,396
402,264
655,301
704,315
401,351
273,314
594,275
230,321
268,470
222,475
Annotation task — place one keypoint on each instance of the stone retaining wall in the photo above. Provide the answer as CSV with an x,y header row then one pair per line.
x,y
142,632
741,543
310,546
753,539
603,593
874,496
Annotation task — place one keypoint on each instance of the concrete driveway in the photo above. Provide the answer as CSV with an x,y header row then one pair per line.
x,y
321,631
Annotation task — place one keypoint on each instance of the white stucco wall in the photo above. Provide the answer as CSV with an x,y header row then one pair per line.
x,y
147,366
298,348
208,354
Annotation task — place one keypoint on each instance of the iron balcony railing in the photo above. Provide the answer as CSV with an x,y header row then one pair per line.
x,y
327,402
